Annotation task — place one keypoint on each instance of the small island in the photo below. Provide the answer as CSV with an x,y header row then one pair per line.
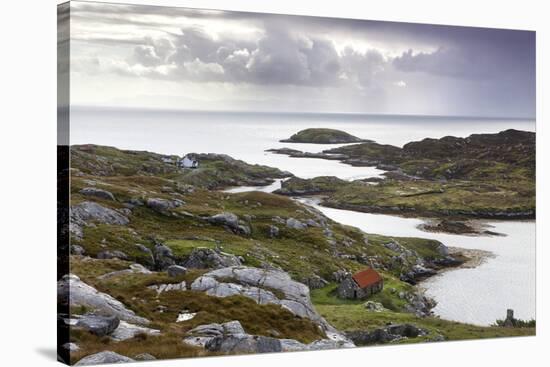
x,y
323,136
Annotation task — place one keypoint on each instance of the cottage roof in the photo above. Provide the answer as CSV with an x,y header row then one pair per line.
x,y
366,278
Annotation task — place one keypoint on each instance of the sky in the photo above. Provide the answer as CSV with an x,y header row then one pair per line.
x,y
182,58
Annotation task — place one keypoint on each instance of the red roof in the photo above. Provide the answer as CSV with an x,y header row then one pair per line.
x,y
366,278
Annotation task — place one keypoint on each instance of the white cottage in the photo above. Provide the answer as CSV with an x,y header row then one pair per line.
x,y
188,162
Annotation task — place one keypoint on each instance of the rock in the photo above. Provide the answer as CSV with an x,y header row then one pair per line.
x,y
260,285
144,357
98,193
71,347
386,334
230,221
163,206
206,258
315,282
185,316
339,275
149,259
115,254
244,344
133,269
373,306
176,270
77,250
163,256
89,211
97,324
126,331
103,358
273,231
159,288
73,292
295,224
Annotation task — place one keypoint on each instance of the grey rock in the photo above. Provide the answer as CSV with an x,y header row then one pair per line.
x,y
148,254
77,250
163,256
386,334
97,324
230,221
176,270
295,224
74,292
115,254
315,282
144,357
133,269
103,358
244,344
89,211
126,331
159,288
373,306
206,258
163,206
273,231
98,193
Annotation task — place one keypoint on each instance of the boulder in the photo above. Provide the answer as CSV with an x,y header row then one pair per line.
x,y
372,306
98,324
244,344
230,221
163,256
163,206
103,358
133,269
295,224
148,254
126,331
159,288
176,270
98,193
315,282
77,250
88,211
73,292
206,258
144,357
273,231
115,254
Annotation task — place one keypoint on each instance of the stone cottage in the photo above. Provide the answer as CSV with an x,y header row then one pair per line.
x,y
360,285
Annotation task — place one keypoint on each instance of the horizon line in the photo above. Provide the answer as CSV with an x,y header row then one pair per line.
x,y
191,110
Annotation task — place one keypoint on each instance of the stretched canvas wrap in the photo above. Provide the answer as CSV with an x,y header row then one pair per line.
x,y
241,183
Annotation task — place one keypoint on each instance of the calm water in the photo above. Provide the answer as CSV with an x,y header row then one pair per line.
x,y
479,295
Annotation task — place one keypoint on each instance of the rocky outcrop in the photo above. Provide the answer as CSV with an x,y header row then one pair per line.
x,y
84,213
315,282
265,286
163,256
295,224
386,334
126,331
206,258
159,288
98,324
176,270
103,358
98,193
163,206
133,269
231,222
114,254
73,292
231,338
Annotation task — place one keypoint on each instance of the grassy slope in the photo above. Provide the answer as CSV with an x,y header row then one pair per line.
x,y
300,252
347,315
